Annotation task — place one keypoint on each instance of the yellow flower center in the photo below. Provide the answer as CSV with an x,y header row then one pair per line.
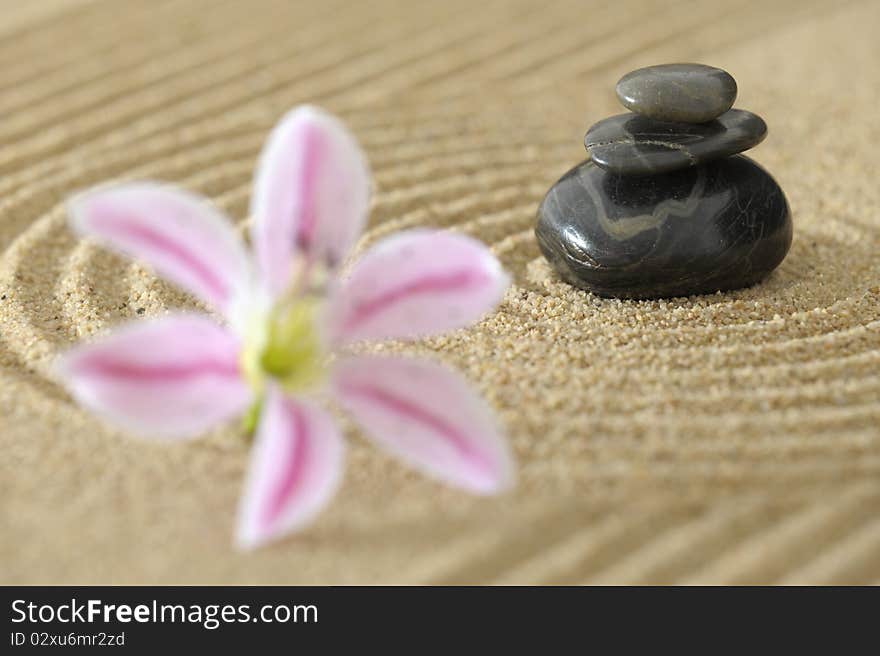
x,y
285,347
283,343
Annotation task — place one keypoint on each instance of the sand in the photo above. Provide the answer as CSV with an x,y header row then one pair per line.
x,y
727,438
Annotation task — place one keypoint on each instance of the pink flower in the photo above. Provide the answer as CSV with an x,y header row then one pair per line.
x,y
289,320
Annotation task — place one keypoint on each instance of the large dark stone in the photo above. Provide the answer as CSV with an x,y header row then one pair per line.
x,y
688,93
631,144
717,226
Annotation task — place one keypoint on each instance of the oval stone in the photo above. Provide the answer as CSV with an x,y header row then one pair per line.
x,y
718,226
691,93
630,144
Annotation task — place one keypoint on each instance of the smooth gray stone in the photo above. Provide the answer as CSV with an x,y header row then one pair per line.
x,y
689,93
631,144
714,227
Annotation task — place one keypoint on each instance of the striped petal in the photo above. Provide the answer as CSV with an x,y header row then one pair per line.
x,y
311,195
295,468
416,283
428,416
181,236
174,377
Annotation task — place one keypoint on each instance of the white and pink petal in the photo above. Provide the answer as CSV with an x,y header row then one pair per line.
x,y
172,377
311,195
180,235
415,283
428,416
295,468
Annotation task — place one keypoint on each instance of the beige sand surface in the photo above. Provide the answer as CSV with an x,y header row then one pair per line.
x,y
726,438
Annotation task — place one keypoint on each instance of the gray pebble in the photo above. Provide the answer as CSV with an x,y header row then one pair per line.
x,y
631,144
717,226
690,93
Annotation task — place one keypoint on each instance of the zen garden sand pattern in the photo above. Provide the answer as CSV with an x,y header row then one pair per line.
x,y
724,438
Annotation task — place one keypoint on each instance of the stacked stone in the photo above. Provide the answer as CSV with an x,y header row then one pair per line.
x,y
665,206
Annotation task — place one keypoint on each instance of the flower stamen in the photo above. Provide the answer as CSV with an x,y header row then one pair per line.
x,y
290,351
